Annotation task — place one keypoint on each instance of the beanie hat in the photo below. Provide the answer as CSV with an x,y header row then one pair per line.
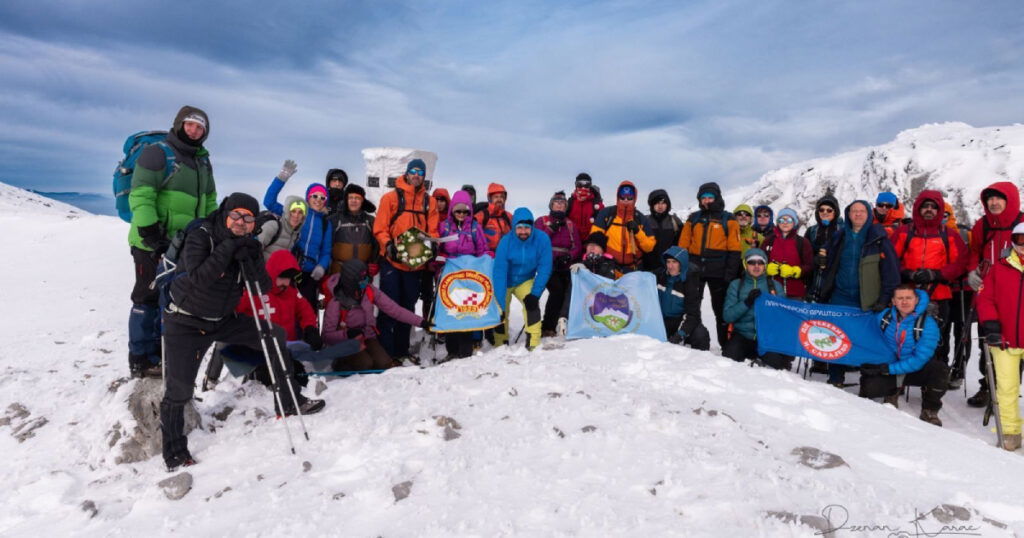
x,y
788,212
336,173
598,239
988,193
583,176
315,189
297,204
195,118
240,200
887,198
558,196
755,254
416,163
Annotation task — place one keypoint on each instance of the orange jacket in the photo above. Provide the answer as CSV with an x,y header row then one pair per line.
x,y
625,248
412,217
496,223
893,219
920,246
716,251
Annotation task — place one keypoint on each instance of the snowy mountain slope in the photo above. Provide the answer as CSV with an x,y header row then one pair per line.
x,y
955,158
15,200
623,436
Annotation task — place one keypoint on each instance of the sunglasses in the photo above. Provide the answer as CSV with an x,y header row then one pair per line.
x,y
743,214
826,210
415,171
884,206
626,198
317,197
764,215
460,212
248,218
755,262
582,184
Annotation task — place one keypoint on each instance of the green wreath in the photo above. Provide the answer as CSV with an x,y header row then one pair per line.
x,y
413,249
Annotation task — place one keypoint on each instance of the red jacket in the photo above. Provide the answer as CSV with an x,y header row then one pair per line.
x,y
1001,298
920,245
495,222
287,306
792,250
584,203
989,249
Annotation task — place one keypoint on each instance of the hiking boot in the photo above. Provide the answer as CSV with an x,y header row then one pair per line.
x,y
308,407
186,460
980,399
932,417
893,400
547,333
818,367
1011,441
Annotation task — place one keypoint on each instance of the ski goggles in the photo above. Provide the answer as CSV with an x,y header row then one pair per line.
x,y
704,195
755,261
627,193
415,172
242,214
786,220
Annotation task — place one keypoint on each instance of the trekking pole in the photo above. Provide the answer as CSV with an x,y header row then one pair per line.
x,y
521,331
280,355
960,355
993,400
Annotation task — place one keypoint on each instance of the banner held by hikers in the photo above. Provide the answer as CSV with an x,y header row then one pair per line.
x,y
605,307
465,296
828,333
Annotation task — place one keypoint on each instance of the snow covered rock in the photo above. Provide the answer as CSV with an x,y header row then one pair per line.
x,y
144,441
176,486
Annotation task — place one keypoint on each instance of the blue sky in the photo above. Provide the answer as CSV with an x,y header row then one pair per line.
x,y
668,94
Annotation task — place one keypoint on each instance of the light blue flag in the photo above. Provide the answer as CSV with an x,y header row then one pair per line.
x,y
605,307
465,296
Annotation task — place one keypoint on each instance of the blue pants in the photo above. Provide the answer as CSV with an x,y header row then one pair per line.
x,y
403,287
144,319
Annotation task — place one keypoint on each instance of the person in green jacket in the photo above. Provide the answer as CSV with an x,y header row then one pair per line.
x,y
162,204
739,312
748,236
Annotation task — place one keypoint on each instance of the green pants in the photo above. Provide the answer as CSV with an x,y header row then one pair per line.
x,y
532,318
1006,364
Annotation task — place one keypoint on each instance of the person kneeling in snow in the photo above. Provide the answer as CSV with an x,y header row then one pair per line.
x,y
739,312
913,335
201,311
672,296
596,261
349,316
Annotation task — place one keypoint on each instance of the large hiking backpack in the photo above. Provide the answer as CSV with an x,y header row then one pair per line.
x,y
133,146
987,230
401,207
918,323
167,270
943,234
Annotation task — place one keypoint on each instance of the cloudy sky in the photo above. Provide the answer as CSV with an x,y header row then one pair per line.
x,y
668,94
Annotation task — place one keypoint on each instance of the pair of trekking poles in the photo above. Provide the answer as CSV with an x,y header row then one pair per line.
x,y
960,358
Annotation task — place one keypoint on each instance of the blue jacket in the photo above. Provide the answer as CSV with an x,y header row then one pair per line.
x,y
911,355
517,261
736,310
314,245
878,271
671,293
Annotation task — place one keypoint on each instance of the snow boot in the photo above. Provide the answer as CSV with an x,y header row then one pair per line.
x,y
547,333
931,417
893,400
308,407
980,399
182,460
139,366
1011,441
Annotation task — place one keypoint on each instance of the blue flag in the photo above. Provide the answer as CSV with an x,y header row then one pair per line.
x,y
604,307
828,333
465,296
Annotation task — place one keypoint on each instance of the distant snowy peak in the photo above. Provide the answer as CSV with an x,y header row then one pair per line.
x,y
954,158
20,201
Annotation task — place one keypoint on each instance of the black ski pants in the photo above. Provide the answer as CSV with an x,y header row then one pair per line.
x,y
717,288
933,379
740,348
557,286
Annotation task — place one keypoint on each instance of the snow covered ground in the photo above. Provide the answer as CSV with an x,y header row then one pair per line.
x,y
614,437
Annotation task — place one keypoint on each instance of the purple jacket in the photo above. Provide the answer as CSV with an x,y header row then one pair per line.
x,y
471,241
564,239
336,330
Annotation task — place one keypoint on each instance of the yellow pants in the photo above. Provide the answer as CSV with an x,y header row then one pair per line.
x,y
1007,367
532,330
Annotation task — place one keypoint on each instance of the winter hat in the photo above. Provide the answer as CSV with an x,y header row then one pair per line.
x,y
755,254
337,173
988,193
558,196
887,198
1018,229
598,239
355,189
496,188
348,291
316,189
787,212
297,204
240,200
195,115
626,189
195,118
462,200
416,163
584,177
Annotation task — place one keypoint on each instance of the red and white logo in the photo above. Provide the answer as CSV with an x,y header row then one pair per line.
x,y
824,340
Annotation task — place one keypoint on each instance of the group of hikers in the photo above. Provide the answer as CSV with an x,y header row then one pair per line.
x,y
923,274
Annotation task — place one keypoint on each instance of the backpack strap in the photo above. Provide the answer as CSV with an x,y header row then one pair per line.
x,y
919,326
886,320
171,165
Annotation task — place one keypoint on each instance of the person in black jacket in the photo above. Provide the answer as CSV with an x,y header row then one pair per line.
x,y
664,225
203,296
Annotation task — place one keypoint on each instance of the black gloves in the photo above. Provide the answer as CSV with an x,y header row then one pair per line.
x,y
676,338
531,302
154,238
563,261
354,333
994,334
821,260
311,336
425,325
874,370
247,248
752,296
391,251
926,276
633,226
879,306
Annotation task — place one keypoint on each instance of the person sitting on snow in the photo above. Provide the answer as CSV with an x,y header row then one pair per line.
x,y
913,336
739,312
596,261
671,280
349,316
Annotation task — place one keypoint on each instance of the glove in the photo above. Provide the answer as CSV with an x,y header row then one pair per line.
x,y
426,326
879,307
247,248
786,271
155,239
821,260
772,269
752,296
563,260
677,337
797,271
317,273
874,370
531,302
926,276
372,269
633,226
974,280
352,334
562,327
311,336
574,268
287,170
391,251
994,334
